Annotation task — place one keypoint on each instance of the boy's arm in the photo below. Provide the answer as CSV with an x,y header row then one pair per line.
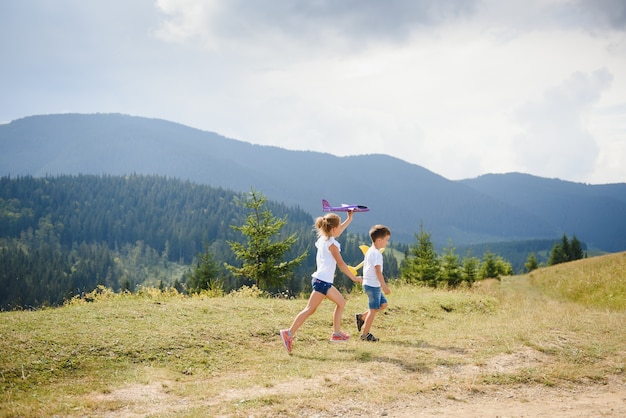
x,y
381,279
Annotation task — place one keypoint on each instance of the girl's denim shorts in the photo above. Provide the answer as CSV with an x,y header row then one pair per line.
x,y
321,286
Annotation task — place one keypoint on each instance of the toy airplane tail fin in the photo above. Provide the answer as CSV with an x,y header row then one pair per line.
x,y
326,206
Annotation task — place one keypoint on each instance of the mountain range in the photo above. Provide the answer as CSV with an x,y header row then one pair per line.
x,y
404,196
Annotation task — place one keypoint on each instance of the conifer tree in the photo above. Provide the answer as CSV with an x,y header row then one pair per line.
x,y
566,250
576,249
503,267
470,269
566,247
205,274
489,266
262,255
531,263
422,263
451,271
559,254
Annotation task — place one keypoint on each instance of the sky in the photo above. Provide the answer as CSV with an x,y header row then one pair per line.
x,y
459,87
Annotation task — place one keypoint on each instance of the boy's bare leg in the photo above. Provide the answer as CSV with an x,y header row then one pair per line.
x,y
369,320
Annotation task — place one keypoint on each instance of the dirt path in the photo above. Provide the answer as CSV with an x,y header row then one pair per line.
x,y
455,394
524,401
608,400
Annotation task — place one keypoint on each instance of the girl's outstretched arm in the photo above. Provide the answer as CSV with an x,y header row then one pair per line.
x,y
342,227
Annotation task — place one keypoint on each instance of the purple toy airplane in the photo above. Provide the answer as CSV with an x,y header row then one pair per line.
x,y
343,208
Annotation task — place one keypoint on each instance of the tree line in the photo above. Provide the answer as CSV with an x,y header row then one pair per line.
x,y
62,236
66,235
425,266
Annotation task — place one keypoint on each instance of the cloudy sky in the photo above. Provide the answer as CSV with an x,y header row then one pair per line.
x,y
460,87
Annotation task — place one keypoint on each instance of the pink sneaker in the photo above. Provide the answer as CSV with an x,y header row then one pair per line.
x,y
287,339
339,337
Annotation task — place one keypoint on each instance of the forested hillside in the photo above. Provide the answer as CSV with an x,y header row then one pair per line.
x,y
63,236
127,201
60,236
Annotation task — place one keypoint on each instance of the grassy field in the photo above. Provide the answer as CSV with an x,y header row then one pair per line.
x,y
165,355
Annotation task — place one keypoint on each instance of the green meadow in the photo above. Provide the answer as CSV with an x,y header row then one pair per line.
x,y
162,354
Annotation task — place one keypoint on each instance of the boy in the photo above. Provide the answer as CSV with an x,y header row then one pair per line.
x,y
374,281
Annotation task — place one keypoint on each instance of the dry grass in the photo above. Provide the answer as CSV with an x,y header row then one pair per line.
x,y
166,355
598,282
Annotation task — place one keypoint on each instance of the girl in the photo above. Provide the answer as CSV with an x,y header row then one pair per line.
x,y
328,258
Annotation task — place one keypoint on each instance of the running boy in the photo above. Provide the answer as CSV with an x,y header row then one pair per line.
x,y
374,281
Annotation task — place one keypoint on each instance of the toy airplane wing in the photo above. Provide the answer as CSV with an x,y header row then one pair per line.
x,y
326,207
364,249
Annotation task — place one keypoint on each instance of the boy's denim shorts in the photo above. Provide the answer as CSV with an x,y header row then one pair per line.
x,y
375,296
320,285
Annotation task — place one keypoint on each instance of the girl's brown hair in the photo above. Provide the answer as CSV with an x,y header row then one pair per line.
x,y
324,224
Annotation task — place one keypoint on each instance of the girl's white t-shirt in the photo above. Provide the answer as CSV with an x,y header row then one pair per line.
x,y
325,261
373,258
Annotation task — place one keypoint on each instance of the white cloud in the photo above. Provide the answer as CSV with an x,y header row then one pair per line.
x,y
555,138
187,21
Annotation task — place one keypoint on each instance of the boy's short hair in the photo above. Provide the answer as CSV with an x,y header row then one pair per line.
x,y
379,231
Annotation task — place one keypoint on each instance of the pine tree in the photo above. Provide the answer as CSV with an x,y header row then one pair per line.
x,y
470,269
262,256
503,267
531,263
205,274
558,254
566,247
489,267
576,249
422,263
451,271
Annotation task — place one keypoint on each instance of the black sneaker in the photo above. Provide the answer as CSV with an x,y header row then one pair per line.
x,y
359,321
368,337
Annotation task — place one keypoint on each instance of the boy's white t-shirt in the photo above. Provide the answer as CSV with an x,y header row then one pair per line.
x,y
373,258
325,261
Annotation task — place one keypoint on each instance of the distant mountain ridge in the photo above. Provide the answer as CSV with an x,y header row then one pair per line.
x,y
574,207
401,195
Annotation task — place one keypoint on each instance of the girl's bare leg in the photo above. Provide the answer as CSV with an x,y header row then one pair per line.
x,y
314,301
340,303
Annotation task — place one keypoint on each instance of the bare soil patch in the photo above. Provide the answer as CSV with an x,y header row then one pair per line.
x,y
607,400
448,391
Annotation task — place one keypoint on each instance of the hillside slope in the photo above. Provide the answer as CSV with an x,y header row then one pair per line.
x,y
503,348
